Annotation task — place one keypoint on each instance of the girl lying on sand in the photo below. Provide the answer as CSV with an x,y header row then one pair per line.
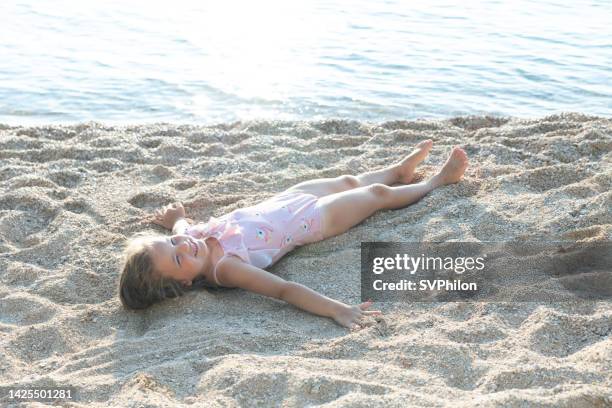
x,y
232,250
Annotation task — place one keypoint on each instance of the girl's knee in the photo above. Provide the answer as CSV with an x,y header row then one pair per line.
x,y
381,194
349,181
379,190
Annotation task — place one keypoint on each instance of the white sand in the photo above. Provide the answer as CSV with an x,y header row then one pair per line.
x,y
70,196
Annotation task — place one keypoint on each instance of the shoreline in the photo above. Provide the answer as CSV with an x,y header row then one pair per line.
x,y
380,122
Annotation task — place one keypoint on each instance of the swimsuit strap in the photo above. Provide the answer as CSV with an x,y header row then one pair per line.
x,y
215,269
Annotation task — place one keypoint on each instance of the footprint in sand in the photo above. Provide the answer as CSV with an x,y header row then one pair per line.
x,y
22,216
24,310
67,178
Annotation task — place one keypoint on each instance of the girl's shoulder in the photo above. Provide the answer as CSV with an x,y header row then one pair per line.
x,y
224,267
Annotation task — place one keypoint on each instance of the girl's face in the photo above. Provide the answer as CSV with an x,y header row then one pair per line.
x,y
180,257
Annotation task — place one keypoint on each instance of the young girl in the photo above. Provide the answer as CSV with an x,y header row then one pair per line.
x,y
232,250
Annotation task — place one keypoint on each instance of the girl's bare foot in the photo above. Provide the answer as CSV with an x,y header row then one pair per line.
x,y
406,167
453,169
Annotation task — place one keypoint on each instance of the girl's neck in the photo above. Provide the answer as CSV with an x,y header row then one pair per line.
x,y
215,253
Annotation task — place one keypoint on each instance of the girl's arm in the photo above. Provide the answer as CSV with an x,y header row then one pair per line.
x,y
170,217
180,226
234,272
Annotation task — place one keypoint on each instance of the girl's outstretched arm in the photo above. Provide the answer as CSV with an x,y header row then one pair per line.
x,y
234,272
180,226
171,217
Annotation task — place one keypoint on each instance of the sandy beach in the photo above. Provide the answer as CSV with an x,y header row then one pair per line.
x,y
70,196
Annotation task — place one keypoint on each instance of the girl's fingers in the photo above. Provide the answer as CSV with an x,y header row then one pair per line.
x,y
372,312
365,305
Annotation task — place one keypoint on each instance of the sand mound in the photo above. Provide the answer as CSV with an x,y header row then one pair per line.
x,y
71,195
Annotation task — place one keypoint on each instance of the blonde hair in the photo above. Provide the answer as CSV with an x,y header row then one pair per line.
x,y
141,285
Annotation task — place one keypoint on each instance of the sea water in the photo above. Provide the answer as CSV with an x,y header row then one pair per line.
x,y
226,60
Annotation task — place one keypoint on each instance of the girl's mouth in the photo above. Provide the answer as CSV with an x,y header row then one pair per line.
x,y
195,248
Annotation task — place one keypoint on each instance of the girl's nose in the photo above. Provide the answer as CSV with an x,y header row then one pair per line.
x,y
190,247
185,247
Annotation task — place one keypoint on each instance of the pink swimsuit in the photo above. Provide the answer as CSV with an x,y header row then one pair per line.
x,y
261,234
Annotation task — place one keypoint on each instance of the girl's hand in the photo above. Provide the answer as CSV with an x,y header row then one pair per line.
x,y
351,316
167,215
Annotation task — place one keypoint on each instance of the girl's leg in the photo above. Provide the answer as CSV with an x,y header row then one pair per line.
x,y
401,172
341,211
